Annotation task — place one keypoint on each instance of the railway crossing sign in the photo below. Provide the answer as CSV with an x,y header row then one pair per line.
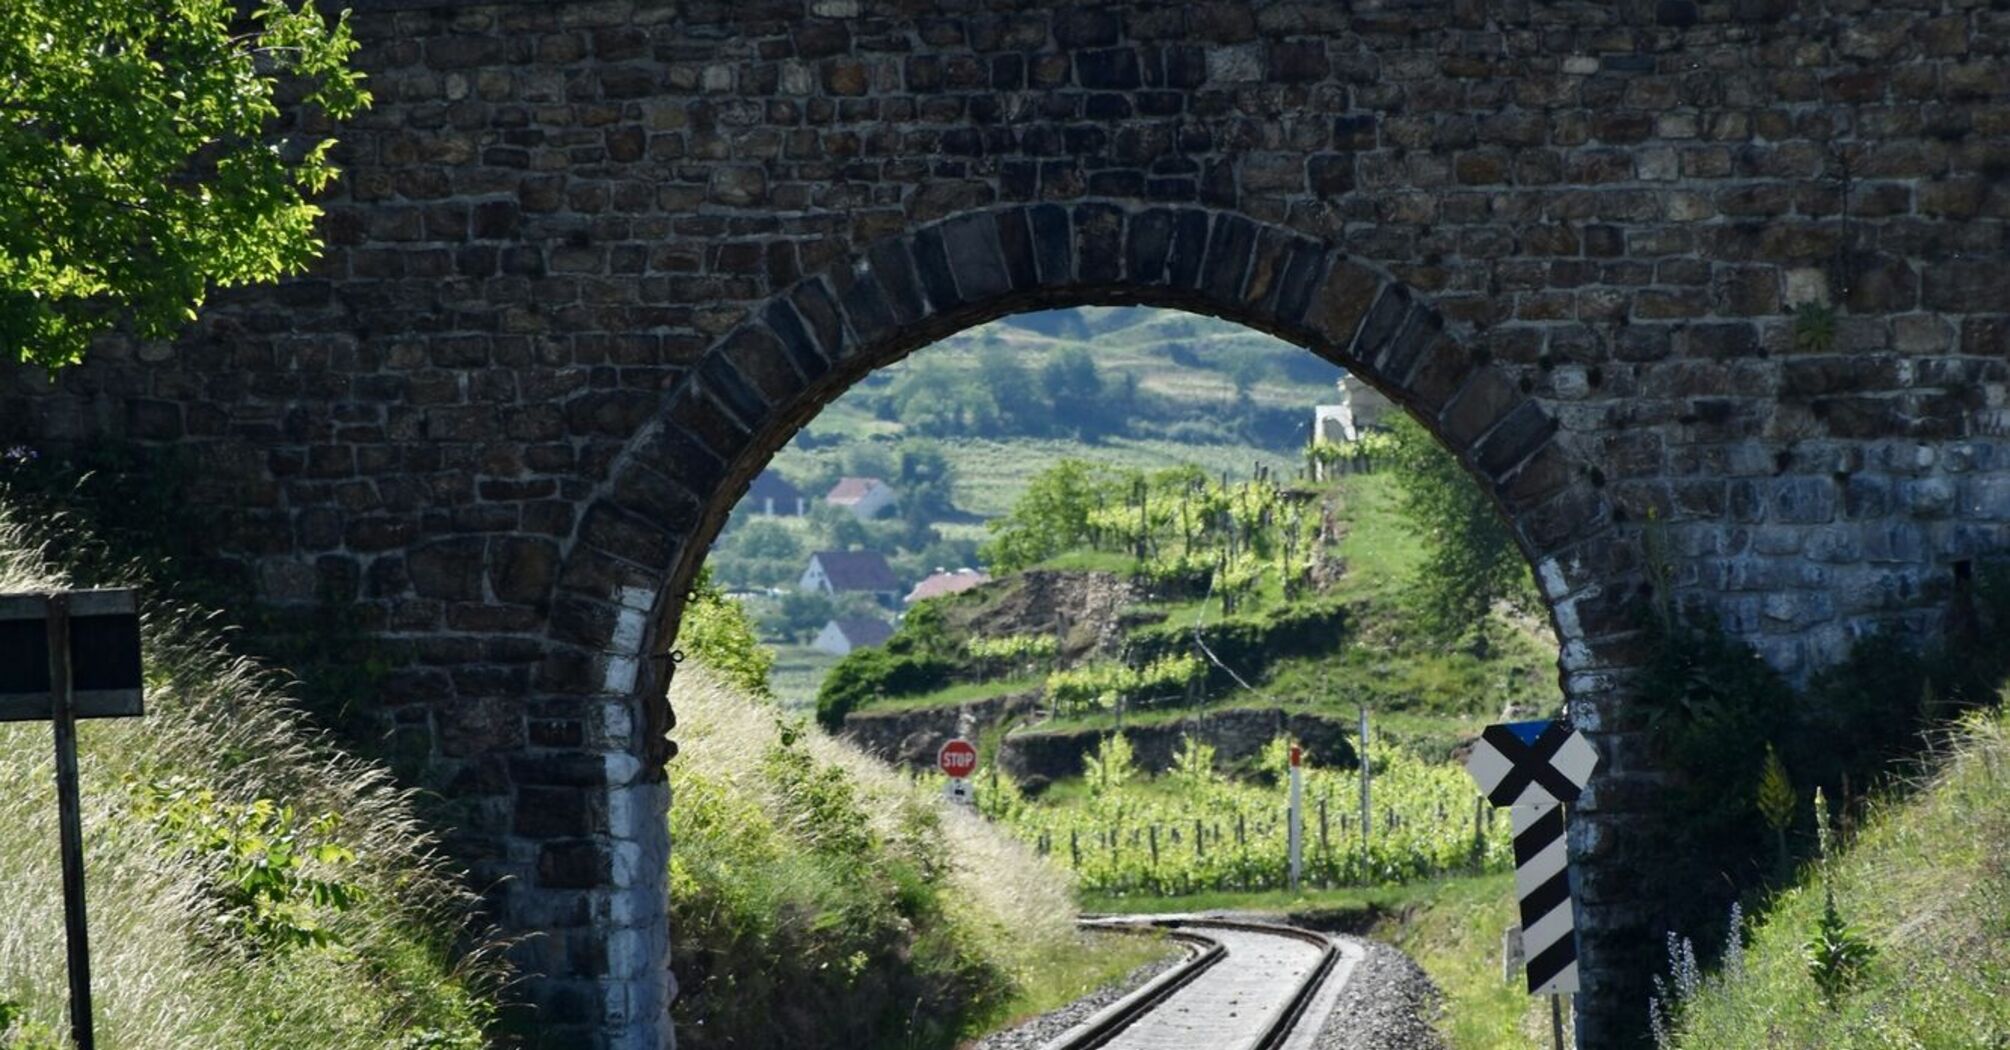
x,y
1533,769
65,656
958,758
1530,763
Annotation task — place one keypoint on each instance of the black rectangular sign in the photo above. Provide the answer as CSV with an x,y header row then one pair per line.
x,y
105,666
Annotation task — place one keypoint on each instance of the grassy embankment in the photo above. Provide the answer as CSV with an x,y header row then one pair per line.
x,y
249,885
822,900
1926,884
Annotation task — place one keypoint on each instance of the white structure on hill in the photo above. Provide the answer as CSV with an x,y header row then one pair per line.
x,y
1361,409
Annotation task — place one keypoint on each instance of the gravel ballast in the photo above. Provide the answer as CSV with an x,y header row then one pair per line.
x,y
1039,1030
1387,1005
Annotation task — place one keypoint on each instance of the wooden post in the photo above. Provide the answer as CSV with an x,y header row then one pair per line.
x,y
1242,851
1325,847
1367,817
70,822
1155,848
1479,832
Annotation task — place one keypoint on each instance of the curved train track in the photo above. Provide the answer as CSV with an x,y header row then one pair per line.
x,y
1243,986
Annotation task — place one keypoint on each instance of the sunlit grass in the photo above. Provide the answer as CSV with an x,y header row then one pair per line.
x,y
1927,881
752,888
170,969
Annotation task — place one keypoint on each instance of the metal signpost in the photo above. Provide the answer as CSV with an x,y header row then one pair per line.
x,y
1534,769
958,759
1295,822
66,656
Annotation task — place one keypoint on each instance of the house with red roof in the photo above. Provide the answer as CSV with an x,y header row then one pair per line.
x,y
940,583
866,498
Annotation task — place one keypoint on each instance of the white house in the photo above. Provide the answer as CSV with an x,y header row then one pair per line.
x,y
864,497
851,572
772,494
852,632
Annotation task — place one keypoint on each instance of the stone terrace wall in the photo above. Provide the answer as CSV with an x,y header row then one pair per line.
x,y
1568,234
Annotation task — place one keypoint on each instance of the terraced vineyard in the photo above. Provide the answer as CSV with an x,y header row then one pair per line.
x,y
1193,830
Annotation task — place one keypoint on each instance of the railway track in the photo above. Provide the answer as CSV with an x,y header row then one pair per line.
x,y
1243,986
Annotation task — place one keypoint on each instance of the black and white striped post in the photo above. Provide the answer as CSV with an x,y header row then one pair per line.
x,y
1534,769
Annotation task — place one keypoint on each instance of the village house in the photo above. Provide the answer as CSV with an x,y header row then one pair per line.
x,y
841,636
851,572
866,498
940,583
772,494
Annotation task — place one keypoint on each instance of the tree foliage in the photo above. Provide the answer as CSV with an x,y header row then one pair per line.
x,y
143,159
1051,517
717,630
1471,561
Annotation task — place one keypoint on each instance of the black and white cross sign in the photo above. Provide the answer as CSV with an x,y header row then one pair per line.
x,y
1542,882
1526,763
1534,768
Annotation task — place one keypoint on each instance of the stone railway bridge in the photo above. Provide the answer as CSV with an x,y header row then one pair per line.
x,y
593,262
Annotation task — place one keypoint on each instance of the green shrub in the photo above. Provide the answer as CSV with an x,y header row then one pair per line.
x,y
274,873
717,630
864,675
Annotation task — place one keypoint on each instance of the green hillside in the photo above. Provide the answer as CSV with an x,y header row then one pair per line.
x,y
1902,939
1307,604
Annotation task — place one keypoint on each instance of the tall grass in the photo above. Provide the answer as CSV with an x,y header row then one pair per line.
x,y
402,966
1927,882
821,899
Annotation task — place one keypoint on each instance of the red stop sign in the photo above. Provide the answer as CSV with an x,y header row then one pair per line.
x,y
958,758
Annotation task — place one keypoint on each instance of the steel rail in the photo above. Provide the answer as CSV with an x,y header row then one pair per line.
x,y
1105,1024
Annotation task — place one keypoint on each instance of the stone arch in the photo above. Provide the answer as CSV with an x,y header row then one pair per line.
x,y
645,531
750,393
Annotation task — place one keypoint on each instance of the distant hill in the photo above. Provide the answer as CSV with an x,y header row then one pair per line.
x,y
960,428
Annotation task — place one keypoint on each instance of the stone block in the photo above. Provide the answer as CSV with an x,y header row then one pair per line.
x,y
572,864
1113,69
1340,304
1148,242
1099,238
1053,243
971,244
451,569
893,267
